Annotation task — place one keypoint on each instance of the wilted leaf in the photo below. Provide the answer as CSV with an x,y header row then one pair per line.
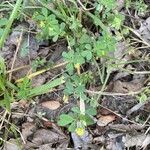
x,y
28,129
53,105
104,120
137,140
42,137
144,30
125,87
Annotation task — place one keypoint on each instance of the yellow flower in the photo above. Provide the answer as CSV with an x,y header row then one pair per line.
x,y
80,131
77,66
42,24
65,98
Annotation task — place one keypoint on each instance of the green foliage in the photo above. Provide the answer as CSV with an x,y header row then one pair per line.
x,y
65,120
116,20
5,92
38,62
24,89
143,97
46,87
140,7
104,44
75,119
48,25
85,43
81,51
75,85
108,4
3,22
12,17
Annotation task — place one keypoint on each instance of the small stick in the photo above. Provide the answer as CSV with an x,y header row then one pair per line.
x,y
15,55
115,94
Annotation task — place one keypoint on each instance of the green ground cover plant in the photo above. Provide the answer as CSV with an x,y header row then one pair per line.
x,y
86,44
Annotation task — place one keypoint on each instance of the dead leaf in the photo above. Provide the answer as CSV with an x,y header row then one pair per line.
x,y
11,145
17,31
99,139
144,30
38,80
125,127
137,140
23,104
19,63
104,120
47,123
120,55
115,142
53,105
28,129
125,87
146,142
45,137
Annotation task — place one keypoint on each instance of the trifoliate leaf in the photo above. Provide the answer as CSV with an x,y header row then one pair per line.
x,y
44,11
87,54
65,120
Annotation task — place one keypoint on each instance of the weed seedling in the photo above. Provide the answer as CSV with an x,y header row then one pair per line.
x,y
75,121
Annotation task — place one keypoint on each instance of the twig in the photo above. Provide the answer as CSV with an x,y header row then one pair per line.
x,y
3,119
135,108
84,8
19,68
138,35
119,115
42,71
15,55
115,94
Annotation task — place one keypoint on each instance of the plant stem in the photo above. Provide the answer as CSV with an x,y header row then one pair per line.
x,y
10,21
82,104
104,85
97,21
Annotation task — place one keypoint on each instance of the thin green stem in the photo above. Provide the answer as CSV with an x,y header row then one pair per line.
x,y
99,71
97,21
104,85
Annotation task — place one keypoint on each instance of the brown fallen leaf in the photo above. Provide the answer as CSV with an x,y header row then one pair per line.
x,y
28,129
45,138
136,140
104,120
47,123
53,105
125,87
144,30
